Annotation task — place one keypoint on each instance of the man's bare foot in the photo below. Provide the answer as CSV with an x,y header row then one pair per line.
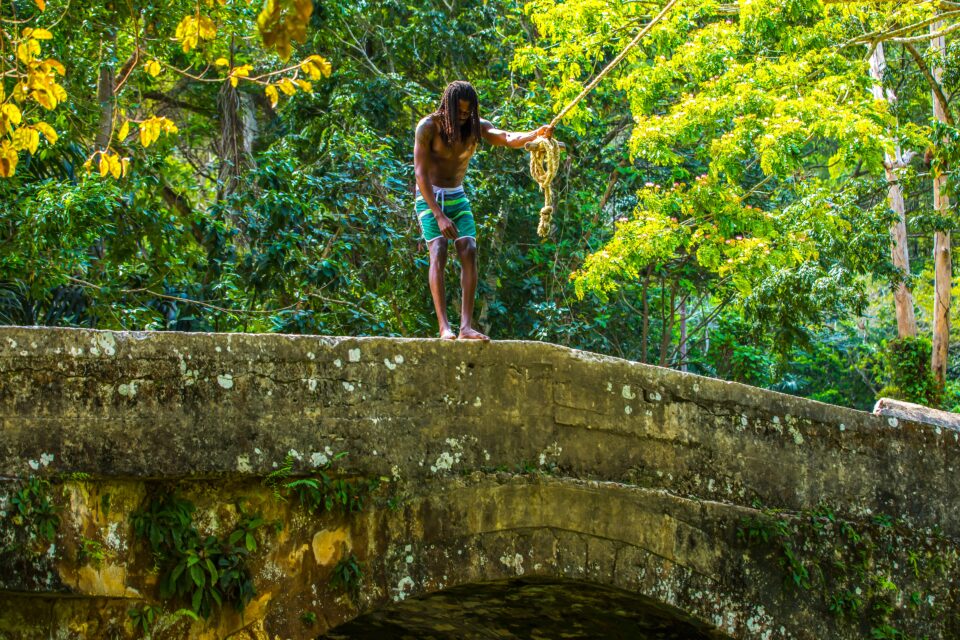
x,y
467,333
447,334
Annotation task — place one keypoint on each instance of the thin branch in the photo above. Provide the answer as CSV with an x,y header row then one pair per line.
x,y
924,38
84,283
173,102
882,36
937,89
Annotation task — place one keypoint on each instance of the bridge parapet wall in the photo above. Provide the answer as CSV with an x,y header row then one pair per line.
x,y
444,424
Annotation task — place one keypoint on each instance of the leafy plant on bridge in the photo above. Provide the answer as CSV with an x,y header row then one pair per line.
x,y
864,573
325,490
348,575
35,510
205,572
29,518
328,490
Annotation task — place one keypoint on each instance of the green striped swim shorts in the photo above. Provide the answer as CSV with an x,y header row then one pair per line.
x,y
455,205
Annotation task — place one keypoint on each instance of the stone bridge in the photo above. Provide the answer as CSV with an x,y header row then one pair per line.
x,y
348,487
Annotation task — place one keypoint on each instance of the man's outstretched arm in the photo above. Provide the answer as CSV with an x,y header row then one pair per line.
x,y
512,139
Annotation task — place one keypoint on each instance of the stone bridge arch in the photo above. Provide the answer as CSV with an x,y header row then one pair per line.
x,y
497,461
482,529
529,607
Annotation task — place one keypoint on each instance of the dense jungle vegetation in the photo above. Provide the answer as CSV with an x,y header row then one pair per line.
x,y
726,203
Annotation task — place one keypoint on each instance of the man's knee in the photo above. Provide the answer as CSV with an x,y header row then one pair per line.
x,y
467,248
438,249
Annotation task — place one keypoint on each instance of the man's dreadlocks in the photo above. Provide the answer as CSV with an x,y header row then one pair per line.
x,y
446,117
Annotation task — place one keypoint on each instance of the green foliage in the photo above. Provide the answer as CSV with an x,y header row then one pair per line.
x,y
144,618
92,552
851,565
324,491
205,572
149,618
908,373
348,576
31,516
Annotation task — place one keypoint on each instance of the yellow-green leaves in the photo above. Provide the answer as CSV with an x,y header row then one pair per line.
x,y
47,131
651,236
272,95
34,83
8,159
316,67
151,128
236,73
281,21
193,29
10,117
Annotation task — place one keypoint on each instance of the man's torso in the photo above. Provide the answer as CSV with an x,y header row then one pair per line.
x,y
448,163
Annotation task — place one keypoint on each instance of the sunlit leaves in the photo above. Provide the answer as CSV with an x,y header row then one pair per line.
x,y
272,95
26,138
107,163
151,128
766,104
37,34
316,67
35,81
47,131
10,117
236,73
651,236
281,21
27,49
8,159
193,29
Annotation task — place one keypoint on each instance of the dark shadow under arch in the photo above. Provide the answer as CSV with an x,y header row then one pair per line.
x,y
521,608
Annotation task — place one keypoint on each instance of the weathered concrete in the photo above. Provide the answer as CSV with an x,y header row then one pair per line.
x,y
901,410
498,460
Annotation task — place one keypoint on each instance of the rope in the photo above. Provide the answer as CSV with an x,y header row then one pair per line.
x,y
544,161
545,152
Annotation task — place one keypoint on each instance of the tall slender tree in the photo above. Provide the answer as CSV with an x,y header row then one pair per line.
x,y
941,238
893,164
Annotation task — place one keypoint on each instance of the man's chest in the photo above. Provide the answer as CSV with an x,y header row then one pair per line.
x,y
452,153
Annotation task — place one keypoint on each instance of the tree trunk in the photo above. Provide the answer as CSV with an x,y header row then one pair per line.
x,y
105,84
237,124
106,80
667,337
683,334
941,240
644,339
902,297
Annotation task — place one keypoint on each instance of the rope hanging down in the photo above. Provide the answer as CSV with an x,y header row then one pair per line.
x,y
545,152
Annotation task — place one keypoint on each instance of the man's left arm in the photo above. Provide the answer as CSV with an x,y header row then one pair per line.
x,y
512,139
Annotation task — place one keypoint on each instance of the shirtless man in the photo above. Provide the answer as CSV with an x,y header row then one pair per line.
x,y
445,142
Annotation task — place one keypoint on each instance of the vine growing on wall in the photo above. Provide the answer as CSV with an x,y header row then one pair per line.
x,y
328,490
204,572
856,568
28,517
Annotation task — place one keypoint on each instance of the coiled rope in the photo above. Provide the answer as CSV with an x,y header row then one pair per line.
x,y
545,152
